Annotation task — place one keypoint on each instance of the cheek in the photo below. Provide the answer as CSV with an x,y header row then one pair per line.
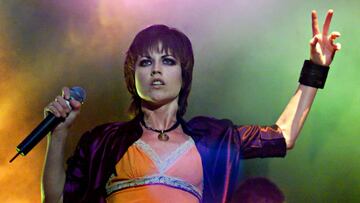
x,y
179,80
139,83
174,82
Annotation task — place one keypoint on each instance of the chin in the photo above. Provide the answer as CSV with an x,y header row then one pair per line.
x,y
162,99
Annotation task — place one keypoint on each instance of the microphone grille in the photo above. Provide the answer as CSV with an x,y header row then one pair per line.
x,y
78,93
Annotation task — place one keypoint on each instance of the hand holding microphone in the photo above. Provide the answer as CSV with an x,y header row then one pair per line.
x,y
59,115
65,107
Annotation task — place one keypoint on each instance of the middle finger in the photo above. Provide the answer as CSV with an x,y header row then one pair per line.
x,y
63,103
327,22
59,108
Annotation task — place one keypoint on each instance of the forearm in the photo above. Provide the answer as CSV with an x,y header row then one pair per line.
x,y
53,178
293,117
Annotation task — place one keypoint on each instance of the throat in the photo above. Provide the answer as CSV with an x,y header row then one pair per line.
x,y
160,117
162,133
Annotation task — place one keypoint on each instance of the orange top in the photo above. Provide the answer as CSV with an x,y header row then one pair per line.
x,y
141,176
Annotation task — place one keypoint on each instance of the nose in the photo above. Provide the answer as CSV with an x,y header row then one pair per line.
x,y
156,69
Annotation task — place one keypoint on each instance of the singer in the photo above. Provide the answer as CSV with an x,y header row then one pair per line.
x,y
158,156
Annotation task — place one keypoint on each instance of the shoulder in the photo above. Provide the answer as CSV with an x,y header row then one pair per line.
x,y
99,134
206,122
108,128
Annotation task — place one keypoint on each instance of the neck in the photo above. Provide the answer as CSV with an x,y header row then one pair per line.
x,y
160,117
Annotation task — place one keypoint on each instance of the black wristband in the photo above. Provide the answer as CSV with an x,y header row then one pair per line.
x,y
313,75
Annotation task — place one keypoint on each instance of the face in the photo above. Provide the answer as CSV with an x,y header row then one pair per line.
x,y
158,77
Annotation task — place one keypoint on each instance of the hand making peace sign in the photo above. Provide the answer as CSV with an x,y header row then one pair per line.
x,y
322,46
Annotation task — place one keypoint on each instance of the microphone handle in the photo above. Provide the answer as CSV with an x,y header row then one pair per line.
x,y
48,124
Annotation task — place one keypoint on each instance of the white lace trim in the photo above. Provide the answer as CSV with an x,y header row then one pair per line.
x,y
154,179
164,165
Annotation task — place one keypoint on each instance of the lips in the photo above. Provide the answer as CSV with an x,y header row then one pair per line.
x,y
157,82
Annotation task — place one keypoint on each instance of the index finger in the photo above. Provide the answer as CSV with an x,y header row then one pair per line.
x,y
66,93
315,25
327,21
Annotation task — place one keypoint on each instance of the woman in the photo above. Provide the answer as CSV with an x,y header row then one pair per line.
x,y
157,156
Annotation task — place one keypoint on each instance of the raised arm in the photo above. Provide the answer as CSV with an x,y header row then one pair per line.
x,y
322,51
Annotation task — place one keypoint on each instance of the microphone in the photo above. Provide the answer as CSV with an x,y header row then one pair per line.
x,y
48,124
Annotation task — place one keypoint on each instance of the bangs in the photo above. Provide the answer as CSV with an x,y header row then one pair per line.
x,y
158,47
159,40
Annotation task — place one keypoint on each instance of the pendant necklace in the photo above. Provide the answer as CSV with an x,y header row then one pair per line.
x,y
162,133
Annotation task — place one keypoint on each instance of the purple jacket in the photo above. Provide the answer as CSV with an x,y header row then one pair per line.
x,y
221,145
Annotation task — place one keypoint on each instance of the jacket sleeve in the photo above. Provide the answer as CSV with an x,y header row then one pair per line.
x,y
249,141
260,141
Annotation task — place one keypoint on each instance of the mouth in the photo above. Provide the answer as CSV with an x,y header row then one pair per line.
x,y
157,82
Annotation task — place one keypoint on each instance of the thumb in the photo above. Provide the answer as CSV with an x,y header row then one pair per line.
x,y
76,105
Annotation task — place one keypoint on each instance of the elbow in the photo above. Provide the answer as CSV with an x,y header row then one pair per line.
x,y
288,136
290,145
289,140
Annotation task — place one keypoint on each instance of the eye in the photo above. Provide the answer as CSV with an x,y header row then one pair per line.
x,y
169,61
145,62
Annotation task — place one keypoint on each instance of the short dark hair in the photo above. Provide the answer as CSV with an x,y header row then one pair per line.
x,y
173,41
259,190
